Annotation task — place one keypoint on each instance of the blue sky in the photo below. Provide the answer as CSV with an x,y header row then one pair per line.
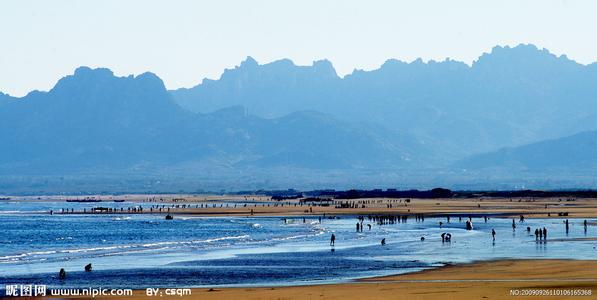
x,y
186,41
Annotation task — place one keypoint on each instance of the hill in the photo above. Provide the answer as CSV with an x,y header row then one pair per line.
x,y
94,122
508,97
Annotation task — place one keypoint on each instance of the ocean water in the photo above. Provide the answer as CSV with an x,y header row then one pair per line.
x,y
137,251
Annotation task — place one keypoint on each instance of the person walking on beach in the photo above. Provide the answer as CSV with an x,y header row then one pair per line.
x,y
333,240
493,233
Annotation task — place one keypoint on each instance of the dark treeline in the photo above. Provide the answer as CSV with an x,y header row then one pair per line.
x,y
425,194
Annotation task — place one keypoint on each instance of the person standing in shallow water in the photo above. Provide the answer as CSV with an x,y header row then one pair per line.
x,y
493,233
333,240
540,234
62,274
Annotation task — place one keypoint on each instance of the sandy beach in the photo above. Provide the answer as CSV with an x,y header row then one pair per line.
x,y
533,208
264,206
483,280
492,279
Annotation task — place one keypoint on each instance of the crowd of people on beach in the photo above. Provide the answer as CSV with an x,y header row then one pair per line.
x,y
363,221
163,208
540,233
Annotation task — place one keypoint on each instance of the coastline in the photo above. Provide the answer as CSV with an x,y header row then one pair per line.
x,y
492,279
495,279
264,206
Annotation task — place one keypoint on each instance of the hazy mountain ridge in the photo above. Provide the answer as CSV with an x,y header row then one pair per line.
x,y
247,85
92,120
508,97
578,151
5,99
280,125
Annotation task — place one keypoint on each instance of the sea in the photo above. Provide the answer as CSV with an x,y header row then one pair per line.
x,y
146,250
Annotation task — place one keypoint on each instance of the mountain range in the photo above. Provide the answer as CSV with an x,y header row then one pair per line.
x,y
94,121
521,113
508,97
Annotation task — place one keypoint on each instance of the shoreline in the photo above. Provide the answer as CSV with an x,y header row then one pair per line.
x,y
481,279
493,279
263,206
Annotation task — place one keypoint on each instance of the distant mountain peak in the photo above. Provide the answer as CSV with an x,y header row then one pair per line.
x,y
324,66
249,62
84,76
151,78
516,56
5,98
103,78
87,71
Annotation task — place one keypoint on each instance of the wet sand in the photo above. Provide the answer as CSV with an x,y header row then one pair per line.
x,y
264,206
482,280
580,208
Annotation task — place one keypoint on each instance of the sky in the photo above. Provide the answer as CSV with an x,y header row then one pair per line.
x,y
186,41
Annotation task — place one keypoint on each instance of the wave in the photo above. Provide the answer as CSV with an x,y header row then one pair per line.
x,y
293,237
137,247
16,256
18,212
